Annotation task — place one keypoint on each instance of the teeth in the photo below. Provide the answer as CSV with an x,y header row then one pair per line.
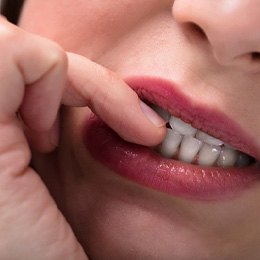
x,y
227,157
182,127
170,145
189,148
243,160
208,155
208,139
194,146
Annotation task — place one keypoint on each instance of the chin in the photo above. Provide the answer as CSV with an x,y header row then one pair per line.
x,y
126,201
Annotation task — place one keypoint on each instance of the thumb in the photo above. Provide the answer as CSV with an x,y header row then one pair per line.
x,y
113,101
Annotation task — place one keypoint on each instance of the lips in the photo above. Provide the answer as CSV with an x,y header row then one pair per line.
x,y
168,96
146,167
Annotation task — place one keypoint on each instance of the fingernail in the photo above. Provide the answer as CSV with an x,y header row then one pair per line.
x,y
151,115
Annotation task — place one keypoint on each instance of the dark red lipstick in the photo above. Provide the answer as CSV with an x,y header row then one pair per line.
x,y
146,167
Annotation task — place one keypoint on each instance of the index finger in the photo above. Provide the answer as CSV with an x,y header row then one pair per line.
x,y
104,92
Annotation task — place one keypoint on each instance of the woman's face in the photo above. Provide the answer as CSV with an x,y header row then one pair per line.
x,y
200,60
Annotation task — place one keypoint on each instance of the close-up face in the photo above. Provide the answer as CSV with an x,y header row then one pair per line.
x,y
196,196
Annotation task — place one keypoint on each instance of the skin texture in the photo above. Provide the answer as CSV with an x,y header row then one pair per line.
x,y
27,209
111,217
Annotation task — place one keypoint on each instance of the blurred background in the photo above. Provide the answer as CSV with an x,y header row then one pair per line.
x,y
11,9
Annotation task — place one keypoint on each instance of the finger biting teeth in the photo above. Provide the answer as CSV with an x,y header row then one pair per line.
x,y
188,144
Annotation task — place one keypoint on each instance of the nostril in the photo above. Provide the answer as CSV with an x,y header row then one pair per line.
x,y
249,62
198,30
255,56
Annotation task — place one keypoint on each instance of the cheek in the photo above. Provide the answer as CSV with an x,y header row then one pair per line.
x,y
73,26
88,27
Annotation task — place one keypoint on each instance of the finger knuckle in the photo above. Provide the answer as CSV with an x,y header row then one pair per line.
x,y
7,33
110,76
56,55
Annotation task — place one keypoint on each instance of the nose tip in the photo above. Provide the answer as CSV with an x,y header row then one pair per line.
x,y
231,30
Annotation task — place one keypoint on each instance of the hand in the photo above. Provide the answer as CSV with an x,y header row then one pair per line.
x,y
34,72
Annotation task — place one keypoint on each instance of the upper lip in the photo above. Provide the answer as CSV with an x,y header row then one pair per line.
x,y
168,96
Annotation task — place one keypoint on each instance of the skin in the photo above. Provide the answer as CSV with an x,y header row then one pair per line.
x,y
111,217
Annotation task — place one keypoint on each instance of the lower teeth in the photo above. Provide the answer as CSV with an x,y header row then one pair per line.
x,y
187,144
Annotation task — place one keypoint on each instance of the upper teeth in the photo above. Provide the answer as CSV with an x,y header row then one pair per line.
x,y
190,145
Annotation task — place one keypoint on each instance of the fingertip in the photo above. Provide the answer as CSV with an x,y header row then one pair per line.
x,y
150,136
160,135
138,123
143,131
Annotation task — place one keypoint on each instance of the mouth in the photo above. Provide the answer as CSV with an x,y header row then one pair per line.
x,y
185,143
204,156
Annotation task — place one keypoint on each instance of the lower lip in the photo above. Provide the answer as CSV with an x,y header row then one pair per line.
x,y
146,167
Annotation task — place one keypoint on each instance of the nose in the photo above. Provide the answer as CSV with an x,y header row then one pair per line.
x,y
231,28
